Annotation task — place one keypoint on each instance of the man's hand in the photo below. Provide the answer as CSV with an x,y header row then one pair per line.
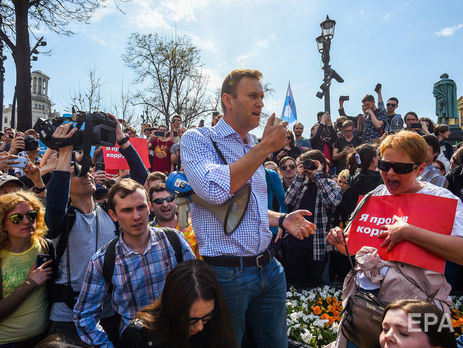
x,y
297,225
336,238
33,172
6,159
50,165
100,177
274,137
17,145
309,173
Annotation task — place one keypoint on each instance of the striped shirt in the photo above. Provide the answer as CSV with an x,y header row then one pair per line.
x,y
431,175
210,179
137,280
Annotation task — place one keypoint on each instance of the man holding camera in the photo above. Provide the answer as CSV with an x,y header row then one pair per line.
x,y
79,228
161,145
371,125
218,161
311,190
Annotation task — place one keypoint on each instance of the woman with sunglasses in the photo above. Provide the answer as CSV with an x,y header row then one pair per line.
x,y
290,149
190,312
402,160
23,302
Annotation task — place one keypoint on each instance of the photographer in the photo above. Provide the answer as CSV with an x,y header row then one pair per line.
x,y
161,145
79,228
313,191
7,138
371,125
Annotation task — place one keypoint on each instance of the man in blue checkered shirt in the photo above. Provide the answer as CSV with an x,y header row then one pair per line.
x,y
252,280
143,257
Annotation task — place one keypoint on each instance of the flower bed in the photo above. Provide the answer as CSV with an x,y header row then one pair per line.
x,y
313,315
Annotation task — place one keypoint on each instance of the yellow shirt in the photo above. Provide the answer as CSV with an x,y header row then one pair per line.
x,y
31,317
190,237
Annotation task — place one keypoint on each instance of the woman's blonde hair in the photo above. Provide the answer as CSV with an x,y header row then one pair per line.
x,y
9,201
406,142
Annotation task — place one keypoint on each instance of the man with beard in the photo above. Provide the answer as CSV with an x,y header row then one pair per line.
x,y
302,142
164,210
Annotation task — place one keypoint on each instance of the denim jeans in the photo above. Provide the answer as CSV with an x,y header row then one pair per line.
x,y
258,294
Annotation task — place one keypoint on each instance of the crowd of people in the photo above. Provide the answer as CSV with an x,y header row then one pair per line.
x,y
101,258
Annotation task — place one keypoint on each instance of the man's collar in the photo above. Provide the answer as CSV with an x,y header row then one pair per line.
x,y
224,129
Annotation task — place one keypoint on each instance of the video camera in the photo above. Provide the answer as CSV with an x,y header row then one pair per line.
x,y
99,130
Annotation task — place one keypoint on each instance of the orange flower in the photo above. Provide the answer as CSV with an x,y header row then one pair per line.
x,y
316,310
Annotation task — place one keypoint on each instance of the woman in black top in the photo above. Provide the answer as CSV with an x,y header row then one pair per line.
x,y
290,149
190,312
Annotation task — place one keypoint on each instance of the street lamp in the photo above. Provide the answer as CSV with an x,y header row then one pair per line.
x,y
324,45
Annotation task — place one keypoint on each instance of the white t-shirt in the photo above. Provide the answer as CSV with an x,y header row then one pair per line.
x,y
428,189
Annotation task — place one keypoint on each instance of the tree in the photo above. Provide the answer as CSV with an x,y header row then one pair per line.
x,y
89,98
171,76
123,108
54,15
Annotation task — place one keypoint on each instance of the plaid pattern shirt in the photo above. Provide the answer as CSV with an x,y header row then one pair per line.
x,y
369,130
430,174
329,196
210,179
137,280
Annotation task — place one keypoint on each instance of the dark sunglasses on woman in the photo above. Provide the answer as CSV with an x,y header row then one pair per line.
x,y
398,167
18,218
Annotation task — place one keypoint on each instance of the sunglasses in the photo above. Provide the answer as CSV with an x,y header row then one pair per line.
x,y
168,199
391,105
18,218
398,167
291,166
204,319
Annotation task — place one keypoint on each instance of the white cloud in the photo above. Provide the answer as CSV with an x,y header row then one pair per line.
x,y
215,79
260,44
204,44
100,40
387,15
449,31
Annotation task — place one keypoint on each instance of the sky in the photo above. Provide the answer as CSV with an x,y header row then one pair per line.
x,y
405,45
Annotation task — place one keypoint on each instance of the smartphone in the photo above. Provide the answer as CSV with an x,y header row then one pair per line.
x,y
416,125
41,259
378,87
175,134
344,97
99,167
159,134
22,162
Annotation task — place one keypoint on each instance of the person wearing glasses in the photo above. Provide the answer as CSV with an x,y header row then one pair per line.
x,y
403,159
289,149
344,145
190,312
23,300
288,171
164,211
394,121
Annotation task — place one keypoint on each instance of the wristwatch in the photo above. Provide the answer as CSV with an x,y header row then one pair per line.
x,y
122,141
39,190
280,221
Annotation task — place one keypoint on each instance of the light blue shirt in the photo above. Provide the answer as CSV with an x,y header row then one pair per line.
x,y
210,179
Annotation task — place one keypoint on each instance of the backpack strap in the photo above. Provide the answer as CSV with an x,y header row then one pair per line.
x,y
172,237
108,264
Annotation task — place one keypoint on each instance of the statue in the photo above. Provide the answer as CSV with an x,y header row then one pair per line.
x,y
445,92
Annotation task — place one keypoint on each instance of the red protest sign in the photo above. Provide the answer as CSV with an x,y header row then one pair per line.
x,y
432,213
113,159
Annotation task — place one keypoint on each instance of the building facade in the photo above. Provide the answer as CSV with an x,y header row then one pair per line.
x,y
41,104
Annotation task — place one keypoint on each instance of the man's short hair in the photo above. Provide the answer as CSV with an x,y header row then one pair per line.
x,y
177,116
298,124
161,187
441,128
230,83
348,123
368,98
432,141
156,176
319,115
129,128
123,188
394,99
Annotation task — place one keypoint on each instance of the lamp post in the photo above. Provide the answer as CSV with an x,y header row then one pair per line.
x,y
34,50
324,45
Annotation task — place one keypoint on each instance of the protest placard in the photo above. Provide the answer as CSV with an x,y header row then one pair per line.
x,y
113,159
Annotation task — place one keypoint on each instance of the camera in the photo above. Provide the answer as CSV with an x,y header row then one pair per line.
x,y
309,164
30,143
344,98
99,129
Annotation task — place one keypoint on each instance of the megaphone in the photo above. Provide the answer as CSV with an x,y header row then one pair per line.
x,y
231,213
